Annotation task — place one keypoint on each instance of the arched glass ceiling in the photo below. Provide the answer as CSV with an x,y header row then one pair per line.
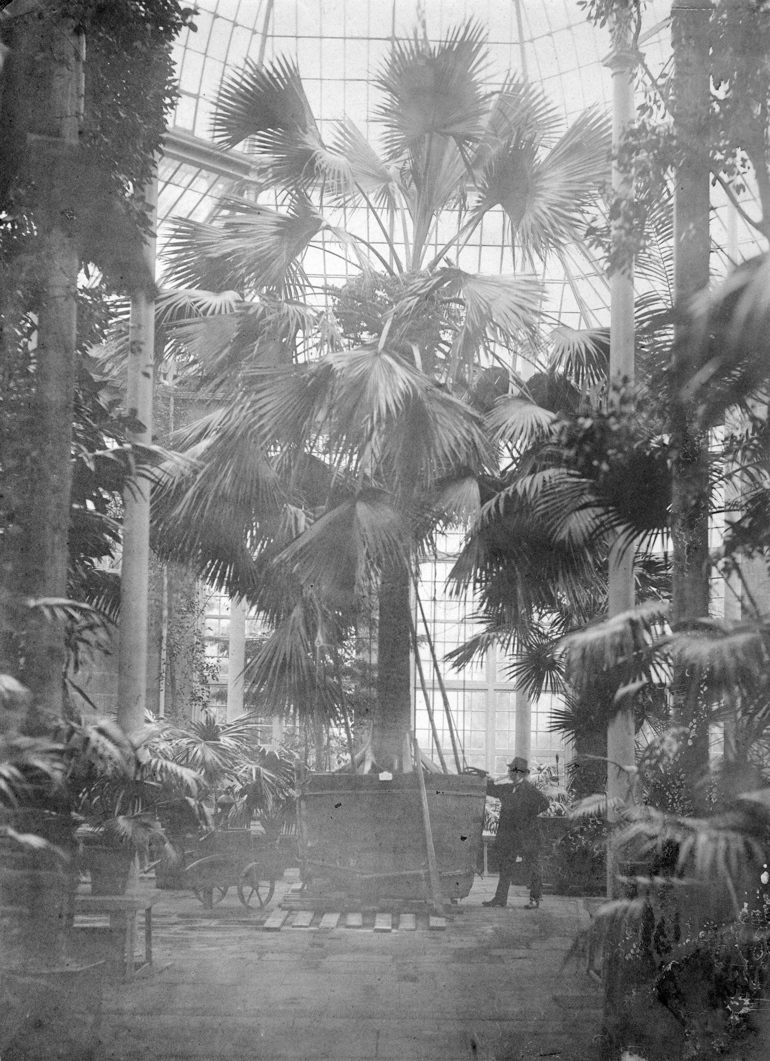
x,y
339,44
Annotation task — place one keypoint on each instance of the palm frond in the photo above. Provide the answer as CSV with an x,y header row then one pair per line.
x,y
731,660
544,197
501,309
253,248
629,644
518,108
726,360
300,160
284,670
370,175
518,422
331,555
257,99
433,91
580,354
458,500
182,303
215,519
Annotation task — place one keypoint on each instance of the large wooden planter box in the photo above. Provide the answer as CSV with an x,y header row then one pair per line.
x,y
365,836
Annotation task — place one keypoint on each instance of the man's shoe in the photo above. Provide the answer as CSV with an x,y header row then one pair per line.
x,y
493,902
533,904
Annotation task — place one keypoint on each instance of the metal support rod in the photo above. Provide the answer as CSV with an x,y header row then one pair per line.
x,y
424,687
440,680
433,873
134,570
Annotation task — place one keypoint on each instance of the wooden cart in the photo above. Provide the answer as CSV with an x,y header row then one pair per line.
x,y
233,858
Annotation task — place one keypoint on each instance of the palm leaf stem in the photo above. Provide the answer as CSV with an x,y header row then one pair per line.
x,y
388,236
403,211
471,224
380,257
421,223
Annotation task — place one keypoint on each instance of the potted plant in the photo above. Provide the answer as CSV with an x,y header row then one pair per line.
x,y
37,839
120,787
43,986
244,785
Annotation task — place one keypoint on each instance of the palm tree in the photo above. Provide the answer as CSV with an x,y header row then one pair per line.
x,y
340,422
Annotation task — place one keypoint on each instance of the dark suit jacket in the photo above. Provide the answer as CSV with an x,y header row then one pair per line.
x,y
520,806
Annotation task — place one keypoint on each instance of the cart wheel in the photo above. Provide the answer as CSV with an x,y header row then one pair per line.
x,y
210,896
255,887
202,877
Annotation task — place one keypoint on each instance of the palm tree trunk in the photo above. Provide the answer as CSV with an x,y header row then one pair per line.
x,y
392,722
690,479
135,561
39,563
621,751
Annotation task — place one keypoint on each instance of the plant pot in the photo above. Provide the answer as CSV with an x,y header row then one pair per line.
x,y
51,1012
113,870
37,889
366,836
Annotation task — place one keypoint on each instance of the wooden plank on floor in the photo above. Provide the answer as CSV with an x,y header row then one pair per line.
x,y
329,920
302,919
275,922
383,922
438,923
354,920
407,922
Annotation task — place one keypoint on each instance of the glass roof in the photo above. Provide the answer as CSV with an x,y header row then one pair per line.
x,y
339,44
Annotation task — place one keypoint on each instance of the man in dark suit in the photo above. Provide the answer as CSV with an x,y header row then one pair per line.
x,y
518,834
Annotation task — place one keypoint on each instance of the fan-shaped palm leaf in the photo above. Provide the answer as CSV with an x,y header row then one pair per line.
x,y
582,355
497,308
514,421
258,99
370,175
378,402
285,668
182,303
332,555
458,500
253,248
215,519
543,197
300,160
519,108
630,642
433,91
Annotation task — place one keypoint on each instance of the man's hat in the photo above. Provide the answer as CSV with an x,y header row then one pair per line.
x,y
519,764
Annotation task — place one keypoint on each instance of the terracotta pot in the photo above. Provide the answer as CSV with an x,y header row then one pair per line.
x,y
111,868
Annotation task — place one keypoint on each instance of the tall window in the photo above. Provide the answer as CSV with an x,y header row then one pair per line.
x,y
492,720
